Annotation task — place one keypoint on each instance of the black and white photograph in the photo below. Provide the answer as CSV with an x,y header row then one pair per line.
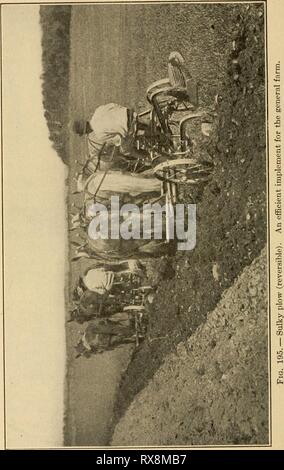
x,y
136,243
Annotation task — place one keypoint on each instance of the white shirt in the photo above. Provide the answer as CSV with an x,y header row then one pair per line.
x,y
98,280
109,124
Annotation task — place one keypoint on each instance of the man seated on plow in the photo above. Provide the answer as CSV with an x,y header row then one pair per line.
x,y
106,280
101,290
111,125
116,125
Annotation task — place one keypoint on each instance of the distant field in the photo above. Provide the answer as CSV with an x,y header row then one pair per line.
x,y
116,52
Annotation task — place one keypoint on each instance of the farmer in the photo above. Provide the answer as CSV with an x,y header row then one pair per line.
x,y
111,125
98,280
97,294
106,280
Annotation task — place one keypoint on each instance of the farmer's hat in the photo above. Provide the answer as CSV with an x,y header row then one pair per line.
x,y
80,127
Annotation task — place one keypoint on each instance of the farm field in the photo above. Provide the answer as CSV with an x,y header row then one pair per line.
x,y
116,52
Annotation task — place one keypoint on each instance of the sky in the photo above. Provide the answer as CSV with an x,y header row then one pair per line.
x,y
34,243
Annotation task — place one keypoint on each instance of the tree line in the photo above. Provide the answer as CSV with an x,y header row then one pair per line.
x,y
55,24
